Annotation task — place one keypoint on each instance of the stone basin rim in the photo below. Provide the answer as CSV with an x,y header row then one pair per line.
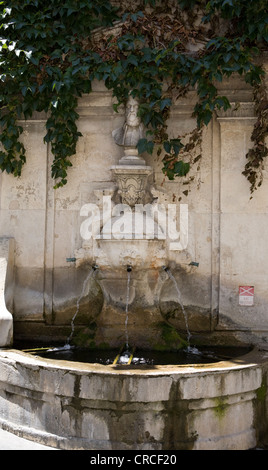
x,y
253,358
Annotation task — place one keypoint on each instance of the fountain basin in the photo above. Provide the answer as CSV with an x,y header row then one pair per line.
x,y
72,405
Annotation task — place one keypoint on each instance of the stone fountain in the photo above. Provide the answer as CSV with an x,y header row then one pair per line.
x,y
126,242
127,228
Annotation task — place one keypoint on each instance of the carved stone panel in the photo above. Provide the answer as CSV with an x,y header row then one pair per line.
x,y
131,183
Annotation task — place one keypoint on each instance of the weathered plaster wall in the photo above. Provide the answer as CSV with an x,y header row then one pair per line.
x,y
227,230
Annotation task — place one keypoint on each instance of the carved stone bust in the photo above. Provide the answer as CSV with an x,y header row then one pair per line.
x,y
132,130
131,173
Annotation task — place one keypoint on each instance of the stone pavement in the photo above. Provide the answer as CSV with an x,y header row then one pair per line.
x,y
9,441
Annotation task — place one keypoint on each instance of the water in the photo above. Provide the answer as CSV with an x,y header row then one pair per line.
x,y
126,310
86,281
180,302
124,358
202,355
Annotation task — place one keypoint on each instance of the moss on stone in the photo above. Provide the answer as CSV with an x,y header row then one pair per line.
x,y
220,407
85,337
261,392
171,340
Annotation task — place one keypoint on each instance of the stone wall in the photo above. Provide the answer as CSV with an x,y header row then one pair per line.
x,y
227,232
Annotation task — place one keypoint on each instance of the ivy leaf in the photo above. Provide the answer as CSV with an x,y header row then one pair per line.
x,y
181,168
166,102
145,145
176,145
137,15
132,59
167,146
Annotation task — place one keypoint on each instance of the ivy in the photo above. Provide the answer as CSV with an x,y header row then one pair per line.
x,y
50,52
44,69
256,155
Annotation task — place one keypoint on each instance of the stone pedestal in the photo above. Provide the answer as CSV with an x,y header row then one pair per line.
x,y
131,181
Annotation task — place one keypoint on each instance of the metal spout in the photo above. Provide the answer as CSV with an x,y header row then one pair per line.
x,y
165,268
95,266
129,268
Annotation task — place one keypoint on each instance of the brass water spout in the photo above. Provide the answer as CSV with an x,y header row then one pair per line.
x,y
194,263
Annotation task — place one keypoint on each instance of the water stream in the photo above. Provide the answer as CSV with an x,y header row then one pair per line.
x,y
85,284
126,310
125,355
180,302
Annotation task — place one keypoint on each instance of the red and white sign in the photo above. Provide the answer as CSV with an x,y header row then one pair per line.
x,y
246,295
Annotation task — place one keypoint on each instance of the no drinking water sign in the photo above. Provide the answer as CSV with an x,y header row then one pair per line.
x,y
246,295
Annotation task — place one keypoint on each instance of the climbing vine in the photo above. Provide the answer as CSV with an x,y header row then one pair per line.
x,y
256,155
50,52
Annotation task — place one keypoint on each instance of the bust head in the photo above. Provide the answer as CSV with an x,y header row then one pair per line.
x,y
133,130
132,118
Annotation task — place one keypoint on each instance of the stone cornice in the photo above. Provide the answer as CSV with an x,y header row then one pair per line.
x,y
238,111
